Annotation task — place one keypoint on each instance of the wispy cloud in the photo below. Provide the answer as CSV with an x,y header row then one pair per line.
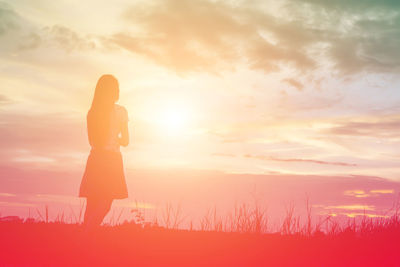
x,y
382,191
351,207
382,127
362,214
365,194
16,204
4,100
68,39
272,158
52,137
7,195
293,82
223,155
356,193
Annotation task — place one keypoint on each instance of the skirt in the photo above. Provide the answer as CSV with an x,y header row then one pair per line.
x,y
104,176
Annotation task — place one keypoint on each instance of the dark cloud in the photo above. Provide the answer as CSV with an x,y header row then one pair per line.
x,y
362,36
376,53
208,36
16,32
205,36
355,5
9,19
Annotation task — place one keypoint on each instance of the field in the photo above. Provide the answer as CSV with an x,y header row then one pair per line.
x,y
362,242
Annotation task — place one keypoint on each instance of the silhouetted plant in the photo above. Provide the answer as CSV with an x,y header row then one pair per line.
x,y
172,217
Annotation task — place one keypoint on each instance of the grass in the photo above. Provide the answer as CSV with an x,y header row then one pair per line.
x,y
242,237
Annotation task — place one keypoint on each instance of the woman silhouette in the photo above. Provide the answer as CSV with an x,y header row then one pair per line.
x,y
107,127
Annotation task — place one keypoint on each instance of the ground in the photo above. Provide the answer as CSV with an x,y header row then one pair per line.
x,y
60,244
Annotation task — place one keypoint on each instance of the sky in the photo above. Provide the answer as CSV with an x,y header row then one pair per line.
x,y
239,88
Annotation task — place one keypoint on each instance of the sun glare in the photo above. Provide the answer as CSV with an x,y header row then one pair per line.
x,y
172,119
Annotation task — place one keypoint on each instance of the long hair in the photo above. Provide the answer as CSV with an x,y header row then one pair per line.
x,y
99,114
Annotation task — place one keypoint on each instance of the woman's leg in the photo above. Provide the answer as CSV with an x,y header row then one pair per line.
x,y
103,208
91,205
96,210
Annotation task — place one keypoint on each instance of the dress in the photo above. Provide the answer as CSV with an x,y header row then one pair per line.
x,y
104,173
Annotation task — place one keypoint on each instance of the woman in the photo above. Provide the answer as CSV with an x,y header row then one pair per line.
x,y
107,126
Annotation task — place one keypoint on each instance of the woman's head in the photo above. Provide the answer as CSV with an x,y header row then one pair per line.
x,y
99,115
106,92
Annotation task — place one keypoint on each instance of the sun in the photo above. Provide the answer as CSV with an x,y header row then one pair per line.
x,y
168,117
173,119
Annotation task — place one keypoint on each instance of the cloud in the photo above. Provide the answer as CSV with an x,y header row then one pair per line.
x,y
382,191
272,158
293,82
356,193
363,214
388,128
223,155
7,195
4,100
71,199
355,5
372,193
355,54
208,36
9,19
18,33
68,39
153,186
360,35
30,139
352,207
15,204
215,35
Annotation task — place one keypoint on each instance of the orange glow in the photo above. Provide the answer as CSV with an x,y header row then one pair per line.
x,y
172,119
356,193
170,112
351,207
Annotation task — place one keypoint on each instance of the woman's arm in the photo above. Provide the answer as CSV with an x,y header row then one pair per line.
x,y
124,139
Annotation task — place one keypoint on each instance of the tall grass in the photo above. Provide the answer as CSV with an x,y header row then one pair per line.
x,y
244,218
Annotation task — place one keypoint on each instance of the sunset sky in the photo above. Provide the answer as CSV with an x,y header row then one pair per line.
x,y
291,88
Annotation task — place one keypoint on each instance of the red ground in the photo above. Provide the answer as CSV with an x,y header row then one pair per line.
x,y
58,244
